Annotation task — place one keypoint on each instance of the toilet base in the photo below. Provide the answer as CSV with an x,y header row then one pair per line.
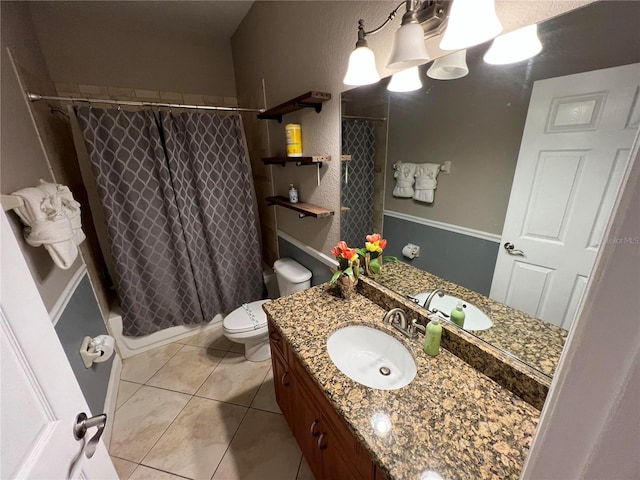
x,y
257,352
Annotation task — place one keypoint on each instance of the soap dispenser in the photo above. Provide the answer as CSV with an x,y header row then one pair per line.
x,y
432,337
457,315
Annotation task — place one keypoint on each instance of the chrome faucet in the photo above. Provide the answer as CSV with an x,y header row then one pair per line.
x,y
427,302
396,318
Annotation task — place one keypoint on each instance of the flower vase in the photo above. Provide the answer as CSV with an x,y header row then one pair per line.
x,y
347,287
367,264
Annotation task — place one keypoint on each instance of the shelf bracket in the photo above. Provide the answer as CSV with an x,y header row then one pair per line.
x,y
302,164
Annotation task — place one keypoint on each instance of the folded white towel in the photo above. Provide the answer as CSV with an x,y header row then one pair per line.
x,y
426,183
404,175
70,207
44,213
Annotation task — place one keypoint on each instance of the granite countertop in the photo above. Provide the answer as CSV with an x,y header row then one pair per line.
x,y
451,419
535,342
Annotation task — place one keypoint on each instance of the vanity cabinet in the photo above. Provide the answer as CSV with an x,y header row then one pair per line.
x,y
329,447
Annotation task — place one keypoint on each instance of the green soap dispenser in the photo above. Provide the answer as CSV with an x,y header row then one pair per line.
x,y
432,336
457,315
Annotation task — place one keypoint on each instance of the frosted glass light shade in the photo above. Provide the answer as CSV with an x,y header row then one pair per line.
x,y
405,81
450,67
514,46
408,47
471,22
362,67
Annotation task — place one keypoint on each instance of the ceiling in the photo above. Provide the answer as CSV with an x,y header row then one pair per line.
x,y
195,21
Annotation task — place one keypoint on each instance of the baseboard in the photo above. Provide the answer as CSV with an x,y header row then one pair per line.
x,y
58,308
111,399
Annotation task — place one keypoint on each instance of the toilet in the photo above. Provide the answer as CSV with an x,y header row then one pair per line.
x,y
247,324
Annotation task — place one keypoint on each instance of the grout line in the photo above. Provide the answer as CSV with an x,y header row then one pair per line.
x,y
229,444
164,471
299,466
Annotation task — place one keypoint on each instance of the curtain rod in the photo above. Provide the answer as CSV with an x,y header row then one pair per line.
x,y
34,97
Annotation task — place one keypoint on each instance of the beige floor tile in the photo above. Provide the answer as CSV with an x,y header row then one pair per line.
x,y
187,370
141,368
265,399
237,348
304,472
211,339
140,422
263,449
203,430
146,473
125,391
235,380
124,468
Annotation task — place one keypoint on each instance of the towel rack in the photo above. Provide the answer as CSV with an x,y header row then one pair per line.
x,y
9,202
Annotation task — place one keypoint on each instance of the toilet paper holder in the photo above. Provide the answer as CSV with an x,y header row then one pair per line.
x,y
96,350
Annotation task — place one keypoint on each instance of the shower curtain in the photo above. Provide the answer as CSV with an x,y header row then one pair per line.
x,y
178,199
358,140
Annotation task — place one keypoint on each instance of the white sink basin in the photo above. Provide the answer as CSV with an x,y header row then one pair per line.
x,y
371,357
474,319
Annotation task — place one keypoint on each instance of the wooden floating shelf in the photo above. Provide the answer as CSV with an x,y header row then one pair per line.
x,y
304,209
312,160
308,100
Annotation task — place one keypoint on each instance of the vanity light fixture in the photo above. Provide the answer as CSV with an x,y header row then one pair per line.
x,y
422,19
449,67
471,22
514,46
405,81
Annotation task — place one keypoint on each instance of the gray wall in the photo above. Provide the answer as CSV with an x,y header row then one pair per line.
x,y
22,159
462,259
320,272
477,121
82,318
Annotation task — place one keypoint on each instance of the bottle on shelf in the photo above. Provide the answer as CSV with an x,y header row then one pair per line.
x,y
293,194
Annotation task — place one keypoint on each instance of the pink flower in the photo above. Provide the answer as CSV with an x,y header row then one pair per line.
x,y
383,244
373,238
342,245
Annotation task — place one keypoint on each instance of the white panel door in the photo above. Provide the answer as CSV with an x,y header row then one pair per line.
x,y
40,396
575,148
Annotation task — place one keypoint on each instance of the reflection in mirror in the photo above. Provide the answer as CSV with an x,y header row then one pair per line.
x,y
538,152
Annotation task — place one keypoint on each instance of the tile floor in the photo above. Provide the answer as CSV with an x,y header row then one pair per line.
x,y
198,409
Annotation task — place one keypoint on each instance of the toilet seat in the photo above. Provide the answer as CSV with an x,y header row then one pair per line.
x,y
249,317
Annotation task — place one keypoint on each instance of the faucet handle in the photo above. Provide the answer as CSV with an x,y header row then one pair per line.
x,y
416,325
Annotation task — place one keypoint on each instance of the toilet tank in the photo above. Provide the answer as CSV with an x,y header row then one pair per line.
x,y
292,277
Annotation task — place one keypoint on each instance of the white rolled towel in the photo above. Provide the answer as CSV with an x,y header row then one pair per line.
x,y
426,183
405,178
47,225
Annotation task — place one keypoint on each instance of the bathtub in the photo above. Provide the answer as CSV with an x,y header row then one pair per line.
x,y
130,346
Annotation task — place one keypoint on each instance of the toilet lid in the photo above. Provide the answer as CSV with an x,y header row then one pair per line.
x,y
246,317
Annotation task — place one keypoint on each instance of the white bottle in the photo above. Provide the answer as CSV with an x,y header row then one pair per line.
x,y
293,194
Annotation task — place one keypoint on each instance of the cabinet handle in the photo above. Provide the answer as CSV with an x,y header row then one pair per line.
x,y
274,337
321,446
312,430
284,375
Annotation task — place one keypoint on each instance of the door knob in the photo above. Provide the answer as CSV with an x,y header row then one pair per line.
x,y
83,424
510,248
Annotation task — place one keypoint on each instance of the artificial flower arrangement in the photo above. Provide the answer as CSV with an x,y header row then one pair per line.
x,y
372,253
348,262
369,258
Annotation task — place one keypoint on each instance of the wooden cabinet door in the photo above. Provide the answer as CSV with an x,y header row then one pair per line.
x,y
282,382
308,428
335,466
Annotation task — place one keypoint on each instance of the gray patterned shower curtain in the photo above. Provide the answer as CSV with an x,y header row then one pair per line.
x,y
358,140
178,199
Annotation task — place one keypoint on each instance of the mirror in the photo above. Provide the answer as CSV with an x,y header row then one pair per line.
x,y
538,150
